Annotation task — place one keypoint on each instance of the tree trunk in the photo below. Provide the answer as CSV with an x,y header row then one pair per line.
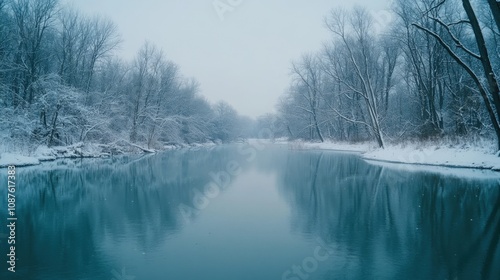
x,y
54,125
485,59
495,10
318,131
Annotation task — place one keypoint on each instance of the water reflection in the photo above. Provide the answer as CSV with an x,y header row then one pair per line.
x,y
82,220
71,218
389,225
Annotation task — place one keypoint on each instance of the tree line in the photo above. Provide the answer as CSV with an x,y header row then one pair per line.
x,y
429,74
61,82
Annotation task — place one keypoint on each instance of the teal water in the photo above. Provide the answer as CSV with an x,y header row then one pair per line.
x,y
237,212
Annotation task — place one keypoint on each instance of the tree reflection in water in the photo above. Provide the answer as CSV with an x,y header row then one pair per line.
x,y
72,217
81,222
388,224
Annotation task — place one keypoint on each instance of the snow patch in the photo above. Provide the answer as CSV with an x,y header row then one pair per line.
x,y
44,153
79,150
415,154
7,159
460,172
434,155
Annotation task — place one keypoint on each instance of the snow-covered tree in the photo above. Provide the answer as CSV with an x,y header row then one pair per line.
x,y
484,77
361,72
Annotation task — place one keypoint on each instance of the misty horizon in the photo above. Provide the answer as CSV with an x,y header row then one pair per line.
x,y
240,53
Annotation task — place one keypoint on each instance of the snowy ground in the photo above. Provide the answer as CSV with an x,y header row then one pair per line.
x,y
442,156
78,150
479,157
43,153
7,159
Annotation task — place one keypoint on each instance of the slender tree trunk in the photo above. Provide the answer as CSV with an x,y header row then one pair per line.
x,y
289,131
318,130
495,10
54,126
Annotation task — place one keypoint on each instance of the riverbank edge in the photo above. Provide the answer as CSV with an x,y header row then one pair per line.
x,y
411,154
399,155
82,150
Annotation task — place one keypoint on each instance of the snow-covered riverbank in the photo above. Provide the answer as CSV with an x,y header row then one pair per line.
x,y
479,157
410,154
43,153
78,150
440,156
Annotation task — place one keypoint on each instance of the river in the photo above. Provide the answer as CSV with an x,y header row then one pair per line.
x,y
238,212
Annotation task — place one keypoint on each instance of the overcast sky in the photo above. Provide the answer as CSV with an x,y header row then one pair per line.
x,y
241,56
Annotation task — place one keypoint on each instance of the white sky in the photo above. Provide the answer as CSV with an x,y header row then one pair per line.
x,y
243,59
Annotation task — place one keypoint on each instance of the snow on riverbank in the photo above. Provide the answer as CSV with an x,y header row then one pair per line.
x,y
44,153
415,154
441,156
78,150
393,155
7,159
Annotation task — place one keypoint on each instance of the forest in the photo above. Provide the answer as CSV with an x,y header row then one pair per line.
x,y
429,75
61,82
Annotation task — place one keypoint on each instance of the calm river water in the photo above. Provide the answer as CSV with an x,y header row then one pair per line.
x,y
240,213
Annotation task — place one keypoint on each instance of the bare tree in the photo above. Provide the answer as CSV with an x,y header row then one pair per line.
x,y
225,121
32,19
61,81
390,54
308,84
426,60
104,38
489,75
353,32
146,66
166,75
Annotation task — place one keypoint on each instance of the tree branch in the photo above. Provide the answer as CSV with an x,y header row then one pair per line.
x,y
455,39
